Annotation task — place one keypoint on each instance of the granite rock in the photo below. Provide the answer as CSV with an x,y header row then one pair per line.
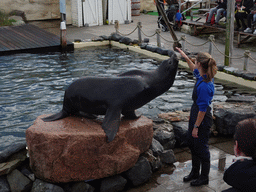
x,y
76,149
9,146
82,187
4,185
113,184
168,156
13,162
242,98
140,172
175,116
156,147
41,186
155,162
181,132
227,115
18,182
163,136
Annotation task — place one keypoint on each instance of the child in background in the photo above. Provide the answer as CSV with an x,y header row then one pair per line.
x,y
241,175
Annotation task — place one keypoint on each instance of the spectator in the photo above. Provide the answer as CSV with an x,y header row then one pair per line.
x,y
219,9
243,9
241,175
251,18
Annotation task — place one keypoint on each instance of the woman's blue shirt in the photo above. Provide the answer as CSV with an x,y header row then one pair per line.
x,y
205,92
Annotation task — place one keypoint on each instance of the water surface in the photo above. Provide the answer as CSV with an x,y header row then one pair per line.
x,y
34,84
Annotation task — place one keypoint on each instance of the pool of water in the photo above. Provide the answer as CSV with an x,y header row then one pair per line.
x,y
34,84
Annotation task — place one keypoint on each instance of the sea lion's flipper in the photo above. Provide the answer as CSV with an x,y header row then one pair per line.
x,y
62,114
111,122
131,114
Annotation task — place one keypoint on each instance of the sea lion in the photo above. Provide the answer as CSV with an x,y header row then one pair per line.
x,y
113,96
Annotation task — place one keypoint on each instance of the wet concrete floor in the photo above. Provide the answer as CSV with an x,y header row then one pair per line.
x,y
170,178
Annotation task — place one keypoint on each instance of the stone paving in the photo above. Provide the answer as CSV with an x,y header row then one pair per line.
x,y
221,151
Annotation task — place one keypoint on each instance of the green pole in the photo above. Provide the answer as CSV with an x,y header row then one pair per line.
x,y
229,32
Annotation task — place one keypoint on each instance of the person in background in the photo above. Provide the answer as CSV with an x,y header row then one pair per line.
x,y
200,121
251,17
241,175
219,9
243,9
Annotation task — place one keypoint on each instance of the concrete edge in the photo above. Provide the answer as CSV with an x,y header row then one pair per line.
x,y
222,76
90,44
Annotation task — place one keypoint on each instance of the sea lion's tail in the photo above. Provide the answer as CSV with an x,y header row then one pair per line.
x,y
62,114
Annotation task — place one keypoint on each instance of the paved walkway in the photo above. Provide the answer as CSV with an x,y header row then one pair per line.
x,y
149,26
220,149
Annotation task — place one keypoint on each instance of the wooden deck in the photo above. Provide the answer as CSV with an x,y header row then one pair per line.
x,y
29,39
200,28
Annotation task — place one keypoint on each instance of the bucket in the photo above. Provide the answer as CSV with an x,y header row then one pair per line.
x,y
135,6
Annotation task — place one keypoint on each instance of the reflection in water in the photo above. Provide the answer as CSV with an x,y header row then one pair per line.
x,y
34,84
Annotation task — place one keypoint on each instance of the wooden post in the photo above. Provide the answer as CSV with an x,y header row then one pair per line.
x,y
222,163
183,38
246,57
63,36
158,31
229,33
104,11
63,29
167,22
211,38
139,32
117,25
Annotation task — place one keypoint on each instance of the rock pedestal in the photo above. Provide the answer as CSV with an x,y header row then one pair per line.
x,y
76,149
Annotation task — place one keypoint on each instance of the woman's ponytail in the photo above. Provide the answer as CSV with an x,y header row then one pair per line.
x,y
208,64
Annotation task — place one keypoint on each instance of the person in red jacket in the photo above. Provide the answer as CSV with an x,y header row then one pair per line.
x,y
219,9
241,175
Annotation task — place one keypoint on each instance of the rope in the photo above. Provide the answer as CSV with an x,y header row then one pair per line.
x,y
252,58
148,35
166,39
224,54
184,39
128,33
195,44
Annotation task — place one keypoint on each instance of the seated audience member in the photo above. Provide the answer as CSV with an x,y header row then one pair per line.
x,y
241,175
251,18
243,9
219,9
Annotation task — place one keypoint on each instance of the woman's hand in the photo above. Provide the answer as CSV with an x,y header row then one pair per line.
x,y
195,132
189,61
182,53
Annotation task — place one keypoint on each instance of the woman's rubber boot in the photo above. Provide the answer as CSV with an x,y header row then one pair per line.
x,y
194,174
204,177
